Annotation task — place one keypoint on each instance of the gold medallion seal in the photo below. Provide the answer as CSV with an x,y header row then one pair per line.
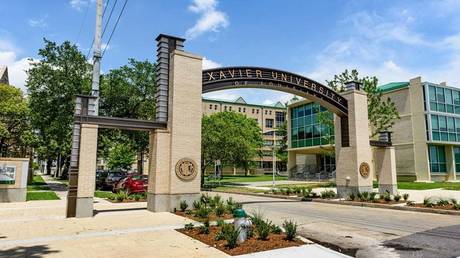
x,y
364,169
186,169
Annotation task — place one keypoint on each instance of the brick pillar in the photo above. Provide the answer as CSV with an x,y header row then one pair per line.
x,y
358,153
181,140
87,171
385,163
450,159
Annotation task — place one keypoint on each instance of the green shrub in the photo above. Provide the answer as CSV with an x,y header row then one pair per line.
x,y
231,235
387,196
457,206
397,198
183,205
204,229
427,202
328,194
263,229
282,191
364,196
220,223
257,218
307,192
219,235
288,191
189,226
137,197
291,229
372,196
196,205
405,196
202,212
204,199
352,196
220,209
453,201
443,202
215,201
230,201
275,229
410,203
121,195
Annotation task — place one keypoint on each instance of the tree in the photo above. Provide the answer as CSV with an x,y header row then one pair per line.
x,y
121,156
281,151
382,113
60,73
128,92
15,131
230,137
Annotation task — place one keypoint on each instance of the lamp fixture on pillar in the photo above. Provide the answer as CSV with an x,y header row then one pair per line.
x,y
352,85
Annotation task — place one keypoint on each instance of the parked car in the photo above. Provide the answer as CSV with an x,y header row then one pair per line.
x,y
101,175
112,178
120,185
136,183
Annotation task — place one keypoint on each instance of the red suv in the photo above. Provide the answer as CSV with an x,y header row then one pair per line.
x,y
136,183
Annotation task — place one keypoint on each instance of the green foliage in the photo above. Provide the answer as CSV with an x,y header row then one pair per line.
x,y
204,229
405,196
352,196
220,209
263,229
281,149
364,196
387,196
41,195
453,201
291,229
397,198
183,205
15,130
204,199
196,205
121,156
328,194
231,235
457,206
372,196
427,202
382,113
189,226
275,229
121,195
59,73
230,137
220,222
443,202
257,217
202,212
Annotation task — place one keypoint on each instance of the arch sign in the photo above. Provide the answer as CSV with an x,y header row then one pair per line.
x,y
258,77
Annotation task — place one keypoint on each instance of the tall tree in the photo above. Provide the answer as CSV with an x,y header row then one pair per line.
x,y
281,150
128,92
230,137
54,79
15,131
382,112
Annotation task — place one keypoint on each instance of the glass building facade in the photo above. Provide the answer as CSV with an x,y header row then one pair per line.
x,y
442,106
306,129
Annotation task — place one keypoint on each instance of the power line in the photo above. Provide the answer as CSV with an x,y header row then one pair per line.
x,y
108,19
115,27
92,42
82,23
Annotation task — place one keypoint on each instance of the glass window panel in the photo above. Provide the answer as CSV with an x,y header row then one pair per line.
x,y
308,132
308,110
457,125
316,141
432,91
441,154
301,133
448,96
457,109
308,120
440,95
444,137
316,131
433,106
436,136
452,137
450,124
450,109
441,107
442,123
456,97
309,142
434,122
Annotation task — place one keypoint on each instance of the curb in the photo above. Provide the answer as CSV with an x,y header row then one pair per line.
x,y
357,204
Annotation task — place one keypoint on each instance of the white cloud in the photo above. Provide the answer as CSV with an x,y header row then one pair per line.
x,y
210,19
16,66
79,4
209,64
39,23
222,95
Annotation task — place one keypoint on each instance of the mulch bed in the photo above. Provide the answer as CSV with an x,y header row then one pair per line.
x,y
435,206
212,216
251,245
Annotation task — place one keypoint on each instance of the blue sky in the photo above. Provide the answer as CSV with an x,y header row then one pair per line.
x,y
394,40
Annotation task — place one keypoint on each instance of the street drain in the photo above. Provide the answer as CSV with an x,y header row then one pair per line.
x,y
400,247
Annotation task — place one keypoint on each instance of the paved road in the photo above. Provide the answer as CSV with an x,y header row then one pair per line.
x,y
367,232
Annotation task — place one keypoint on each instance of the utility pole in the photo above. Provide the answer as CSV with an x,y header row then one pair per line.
x,y
97,55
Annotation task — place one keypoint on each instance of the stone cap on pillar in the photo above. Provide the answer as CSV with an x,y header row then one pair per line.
x,y
353,85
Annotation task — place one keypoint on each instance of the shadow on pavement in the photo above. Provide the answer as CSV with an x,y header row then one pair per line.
x,y
118,210
437,242
36,251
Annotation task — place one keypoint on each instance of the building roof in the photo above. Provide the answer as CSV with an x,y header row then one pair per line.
x,y
4,75
393,86
241,101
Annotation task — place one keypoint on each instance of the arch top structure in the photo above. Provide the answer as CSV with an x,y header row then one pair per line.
x,y
258,77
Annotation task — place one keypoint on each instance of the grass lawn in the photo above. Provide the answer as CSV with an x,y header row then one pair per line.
x,y
425,186
234,189
309,185
245,179
37,184
103,194
46,195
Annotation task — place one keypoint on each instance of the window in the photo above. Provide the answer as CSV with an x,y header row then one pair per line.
x,y
230,108
437,157
225,108
270,112
239,109
444,99
257,111
244,110
280,117
305,127
265,111
215,107
269,123
268,143
210,106
445,128
253,111
457,159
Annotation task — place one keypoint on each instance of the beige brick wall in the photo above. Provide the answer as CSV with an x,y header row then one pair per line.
x,y
87,165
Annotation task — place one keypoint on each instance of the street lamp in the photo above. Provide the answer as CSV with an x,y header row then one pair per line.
x,y
274,159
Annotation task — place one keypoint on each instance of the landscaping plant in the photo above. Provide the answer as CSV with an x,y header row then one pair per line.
x,y
453,201
387,196
189,226
443,202
328,194
427,202
220,209
202,212
275,229
204,229
196,205
397,198
257,218
291,229
183,205
372,196
457,206
231,235
352,196
121,195
405,196
263,229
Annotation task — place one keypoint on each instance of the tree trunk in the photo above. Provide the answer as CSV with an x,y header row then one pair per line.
x,y
140,162
49,162
31,166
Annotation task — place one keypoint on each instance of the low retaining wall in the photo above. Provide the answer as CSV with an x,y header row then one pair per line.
x,y
13,179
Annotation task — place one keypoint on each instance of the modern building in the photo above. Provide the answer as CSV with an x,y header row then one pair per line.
x,y
426,137
269,117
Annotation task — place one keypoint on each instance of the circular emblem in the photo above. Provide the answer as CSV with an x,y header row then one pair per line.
x,y
364,169
186,169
